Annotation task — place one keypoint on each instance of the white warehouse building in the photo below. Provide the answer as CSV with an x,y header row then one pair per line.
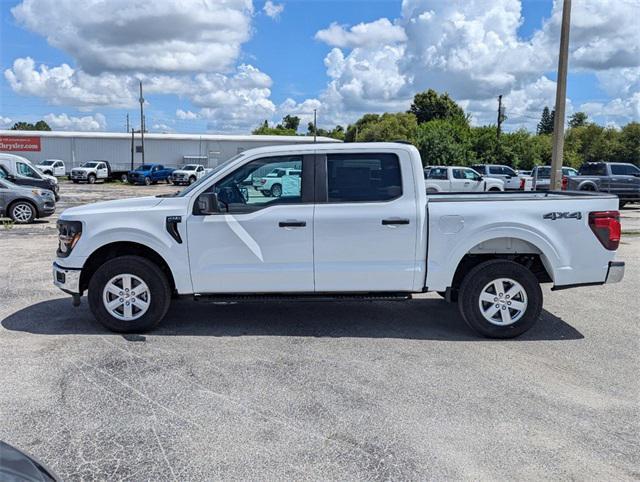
x,y
171,150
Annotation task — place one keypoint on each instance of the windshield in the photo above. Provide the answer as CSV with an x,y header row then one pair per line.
x,y
190,167
90,164
47,163
206,177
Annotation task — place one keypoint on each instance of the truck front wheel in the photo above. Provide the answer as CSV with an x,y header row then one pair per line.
x,y
129,294
500,299
91,179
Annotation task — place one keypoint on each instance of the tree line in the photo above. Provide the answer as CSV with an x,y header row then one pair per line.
x,y
441,131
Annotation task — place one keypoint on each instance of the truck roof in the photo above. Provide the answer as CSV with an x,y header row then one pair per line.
x,y
349,146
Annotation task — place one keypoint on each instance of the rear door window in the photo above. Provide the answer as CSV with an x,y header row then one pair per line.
x,y
593,170
363,177
438,173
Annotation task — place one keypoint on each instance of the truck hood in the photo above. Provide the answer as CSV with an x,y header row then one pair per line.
x,y
84,169
181,171
117,206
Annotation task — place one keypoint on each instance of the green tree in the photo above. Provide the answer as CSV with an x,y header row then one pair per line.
x,y
444,142
629,144
279,130
336,133
291,122
545,126
430,105
578,119
386,127
27,126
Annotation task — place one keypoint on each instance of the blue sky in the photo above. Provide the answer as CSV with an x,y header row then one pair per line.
x,y
289,60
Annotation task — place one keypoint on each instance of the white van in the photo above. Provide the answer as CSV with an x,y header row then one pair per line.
x,y
20,171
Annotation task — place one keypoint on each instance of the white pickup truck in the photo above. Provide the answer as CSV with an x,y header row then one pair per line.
x,y
188,174
360,227
459,179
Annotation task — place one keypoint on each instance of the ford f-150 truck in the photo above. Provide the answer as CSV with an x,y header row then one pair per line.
x,y
360,227
618,178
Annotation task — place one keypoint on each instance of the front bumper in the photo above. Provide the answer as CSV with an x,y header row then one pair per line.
x,y
615,272
67,279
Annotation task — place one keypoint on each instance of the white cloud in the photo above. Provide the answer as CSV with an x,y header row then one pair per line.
x,y
160,127
473,50
273,10
64,85
64,122
120,35
5,122
186,115
379,32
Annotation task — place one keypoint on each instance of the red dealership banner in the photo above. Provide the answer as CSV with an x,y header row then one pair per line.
x,y
19,143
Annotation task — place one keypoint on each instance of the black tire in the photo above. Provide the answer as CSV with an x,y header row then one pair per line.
x,y
48,173
124,178
276,190
588,187
76,182
192,179
22,212
482,275
622,204
145,270
168,180
147,181
91,179
266,193
494,189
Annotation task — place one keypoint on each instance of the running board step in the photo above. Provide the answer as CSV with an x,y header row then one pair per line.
x,y
267,297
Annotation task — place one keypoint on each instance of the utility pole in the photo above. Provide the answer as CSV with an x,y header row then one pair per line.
x,y
499,115
132,145
561,98
315,125
127,122
142,121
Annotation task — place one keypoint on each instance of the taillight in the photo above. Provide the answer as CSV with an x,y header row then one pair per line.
x,y
606,226
565,182
522,183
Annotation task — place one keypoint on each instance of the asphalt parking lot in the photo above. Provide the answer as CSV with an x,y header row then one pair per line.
x,y
347,391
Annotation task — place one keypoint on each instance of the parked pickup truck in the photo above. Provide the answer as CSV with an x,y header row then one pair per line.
x,y
541,176
459,179
360,227
512,180
150,174
52,167
617,178
187,174
90,172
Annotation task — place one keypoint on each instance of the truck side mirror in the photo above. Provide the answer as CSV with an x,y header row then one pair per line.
x,y
207,204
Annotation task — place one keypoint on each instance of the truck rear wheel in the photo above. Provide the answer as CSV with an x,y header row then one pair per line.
x,y
129,294
500,299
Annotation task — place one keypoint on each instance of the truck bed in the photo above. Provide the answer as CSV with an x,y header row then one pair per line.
x,y
516,196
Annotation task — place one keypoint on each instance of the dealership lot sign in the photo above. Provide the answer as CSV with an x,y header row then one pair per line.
x,y
19,143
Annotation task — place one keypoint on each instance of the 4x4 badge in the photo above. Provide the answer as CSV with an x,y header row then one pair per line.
x,y
565,215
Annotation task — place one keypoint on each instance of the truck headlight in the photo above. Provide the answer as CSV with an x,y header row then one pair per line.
x,y
69,233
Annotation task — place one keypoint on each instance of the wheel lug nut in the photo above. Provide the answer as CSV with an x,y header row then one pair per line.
x,y
508,302
495,299
503,307
121,300
121,293
497,305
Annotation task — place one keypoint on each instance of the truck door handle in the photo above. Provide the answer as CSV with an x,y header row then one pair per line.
x,y
390,222
292,224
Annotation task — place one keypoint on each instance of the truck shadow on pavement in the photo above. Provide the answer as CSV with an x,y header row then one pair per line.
x,y
418,319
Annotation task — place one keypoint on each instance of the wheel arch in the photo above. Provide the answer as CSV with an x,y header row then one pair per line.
x,y
123,248
23,200
522,251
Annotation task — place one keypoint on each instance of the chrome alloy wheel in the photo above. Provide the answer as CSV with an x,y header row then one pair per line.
x,y
22,213
503,302
126,297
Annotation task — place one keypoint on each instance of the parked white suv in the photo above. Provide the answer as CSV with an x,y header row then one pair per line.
x,y
188,174
359,227
53,167
459,179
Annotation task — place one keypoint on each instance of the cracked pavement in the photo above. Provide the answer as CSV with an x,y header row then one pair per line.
x,y
316,391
